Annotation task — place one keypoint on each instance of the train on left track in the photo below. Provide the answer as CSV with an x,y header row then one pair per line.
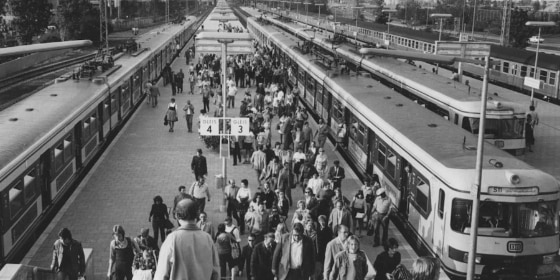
x,y
51,139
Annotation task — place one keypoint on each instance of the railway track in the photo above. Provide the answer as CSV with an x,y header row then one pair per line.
x,y
21,85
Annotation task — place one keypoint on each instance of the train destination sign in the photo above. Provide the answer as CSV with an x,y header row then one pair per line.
x,y
234,126
513,191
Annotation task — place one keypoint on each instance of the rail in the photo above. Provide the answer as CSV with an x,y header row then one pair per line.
x,y
21,271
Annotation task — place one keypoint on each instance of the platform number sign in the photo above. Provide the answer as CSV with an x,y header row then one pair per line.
x,y
209,127
240,126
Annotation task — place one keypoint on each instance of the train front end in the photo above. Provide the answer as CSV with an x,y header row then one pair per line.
x,y
518,231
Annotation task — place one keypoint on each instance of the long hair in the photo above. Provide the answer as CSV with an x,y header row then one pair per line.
x,y
425,268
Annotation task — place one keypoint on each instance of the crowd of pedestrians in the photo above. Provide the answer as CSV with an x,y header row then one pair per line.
x,y
323,237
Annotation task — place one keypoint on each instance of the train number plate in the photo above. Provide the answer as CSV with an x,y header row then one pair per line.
x,y
515,247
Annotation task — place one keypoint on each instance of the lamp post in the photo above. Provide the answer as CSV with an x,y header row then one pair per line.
x,y
319,17
357,11
538,24
473,19
389,19
441,17
224,43
306,10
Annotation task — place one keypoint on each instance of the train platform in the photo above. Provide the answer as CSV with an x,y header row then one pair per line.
x,y
146,160
546,149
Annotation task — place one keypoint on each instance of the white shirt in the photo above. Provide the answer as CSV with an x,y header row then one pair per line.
x,y
244,193
298,156
315,185
296,252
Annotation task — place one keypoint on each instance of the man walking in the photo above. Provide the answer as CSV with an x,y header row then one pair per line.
x,y
200,192
188,253
340,216
380,216
246,257
261,260
334,247
198,165
68,260
294,256
258,161
336,174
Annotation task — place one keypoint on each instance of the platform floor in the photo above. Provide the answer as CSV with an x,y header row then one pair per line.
x,y
146,160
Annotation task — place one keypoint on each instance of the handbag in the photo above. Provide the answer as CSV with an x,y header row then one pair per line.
x,y
235,250
168,224
165,121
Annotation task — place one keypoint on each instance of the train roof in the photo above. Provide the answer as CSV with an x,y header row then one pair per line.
x,y
35,119
430,139
546,61
440,88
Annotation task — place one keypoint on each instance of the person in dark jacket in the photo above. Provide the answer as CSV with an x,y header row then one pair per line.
x,y
198,165
261,260
158,216
245,258
68,260
296,265
388,260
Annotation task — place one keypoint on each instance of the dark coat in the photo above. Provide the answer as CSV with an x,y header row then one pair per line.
x,y
198,165
77,258
261,262
286,181
281,259
332,174
245,260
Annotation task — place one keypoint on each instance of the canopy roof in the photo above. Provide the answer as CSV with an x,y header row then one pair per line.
x,y
207,42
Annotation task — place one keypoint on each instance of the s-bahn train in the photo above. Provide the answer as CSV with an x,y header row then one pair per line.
x,y
49,139
388,134
505,127
511,68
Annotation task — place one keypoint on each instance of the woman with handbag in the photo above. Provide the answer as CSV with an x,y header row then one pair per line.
x,y
158,217
121,252
171,114
359,209
228,251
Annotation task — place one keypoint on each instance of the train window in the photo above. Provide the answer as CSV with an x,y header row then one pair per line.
x,y
391,164
381,154
466,125
338,110
523,71
68,148
301,75
422,196
543,75
29,186
59,157
505,67
441,202
86,129
93,123
16,199
552,78
514,69
517,220
532,72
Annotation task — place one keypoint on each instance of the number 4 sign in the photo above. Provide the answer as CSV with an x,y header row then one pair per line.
x,y
209,127
240,126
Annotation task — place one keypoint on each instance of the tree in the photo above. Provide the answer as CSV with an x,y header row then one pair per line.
x,y
536,6
77,20
31,17
518,32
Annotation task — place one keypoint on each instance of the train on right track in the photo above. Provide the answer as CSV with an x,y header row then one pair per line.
x,y
511,66
519,232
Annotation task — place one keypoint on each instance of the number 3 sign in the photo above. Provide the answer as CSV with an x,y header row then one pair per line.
x,y
240,126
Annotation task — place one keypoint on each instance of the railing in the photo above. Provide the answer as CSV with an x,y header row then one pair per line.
x,y
27,272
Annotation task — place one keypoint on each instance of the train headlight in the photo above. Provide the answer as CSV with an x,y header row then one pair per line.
x,y
476,259
499,143
513,178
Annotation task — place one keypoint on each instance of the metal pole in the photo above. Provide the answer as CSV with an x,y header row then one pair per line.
x,y
473,19
224,95
475,191
440,28
535,69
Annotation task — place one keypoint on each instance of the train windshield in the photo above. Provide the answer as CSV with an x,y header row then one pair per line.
x,y
497,128
517,220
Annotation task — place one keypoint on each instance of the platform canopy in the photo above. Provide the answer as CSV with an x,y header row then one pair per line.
x,y
225,17
209,42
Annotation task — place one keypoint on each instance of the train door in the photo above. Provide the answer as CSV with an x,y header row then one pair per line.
x,y
405,182
370,153
439,224
45,178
